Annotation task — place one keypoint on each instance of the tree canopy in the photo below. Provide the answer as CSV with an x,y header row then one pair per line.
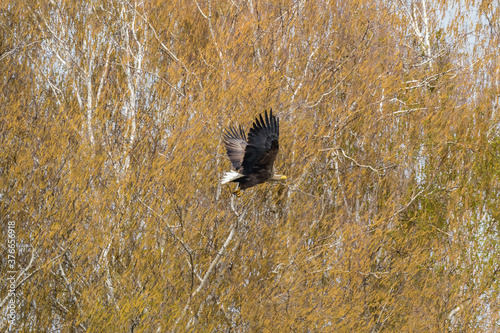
x,y
113,215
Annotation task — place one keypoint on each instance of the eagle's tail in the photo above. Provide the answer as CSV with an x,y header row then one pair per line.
x,y
230,176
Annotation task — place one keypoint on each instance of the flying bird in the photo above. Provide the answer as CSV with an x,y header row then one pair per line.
x,y
253,158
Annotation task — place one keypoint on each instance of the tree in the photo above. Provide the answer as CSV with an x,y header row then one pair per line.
x,y
111,122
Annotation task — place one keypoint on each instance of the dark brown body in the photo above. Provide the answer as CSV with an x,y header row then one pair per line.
x,y
253,179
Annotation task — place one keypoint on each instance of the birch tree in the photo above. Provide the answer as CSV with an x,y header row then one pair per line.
x,y
111,118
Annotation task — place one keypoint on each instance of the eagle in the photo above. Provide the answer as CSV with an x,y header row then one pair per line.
x,y
253,158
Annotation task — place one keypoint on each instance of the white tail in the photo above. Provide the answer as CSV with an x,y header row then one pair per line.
x,y
230,176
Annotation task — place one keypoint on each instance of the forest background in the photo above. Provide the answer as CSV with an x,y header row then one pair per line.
x,y
111,156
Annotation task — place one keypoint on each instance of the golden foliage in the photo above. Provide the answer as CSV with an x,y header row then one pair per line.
x,y
111,121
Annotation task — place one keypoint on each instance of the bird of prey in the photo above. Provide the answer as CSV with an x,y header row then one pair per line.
x,y
253,157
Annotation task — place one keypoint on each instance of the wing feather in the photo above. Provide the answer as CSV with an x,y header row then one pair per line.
x,y
235,142
263,144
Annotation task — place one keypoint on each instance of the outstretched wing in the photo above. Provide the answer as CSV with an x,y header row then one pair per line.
x,y
234,140
263,144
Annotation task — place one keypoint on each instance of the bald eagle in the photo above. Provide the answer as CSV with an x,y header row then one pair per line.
x,y
253,159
